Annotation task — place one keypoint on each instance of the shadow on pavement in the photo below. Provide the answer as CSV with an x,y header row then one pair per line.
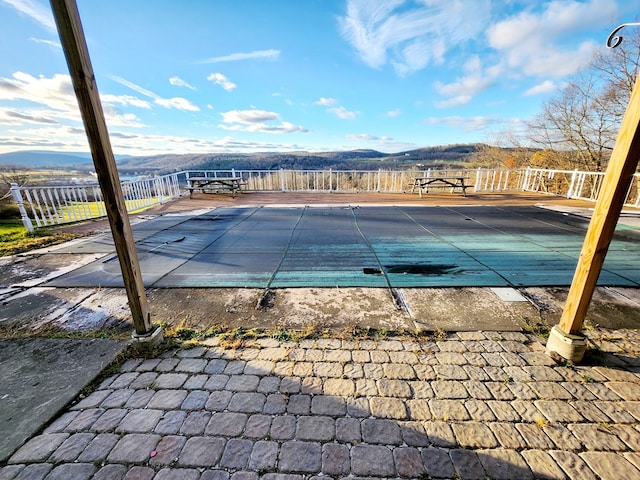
x,y
473,406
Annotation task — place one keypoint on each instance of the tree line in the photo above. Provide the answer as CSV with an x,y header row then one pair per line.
x,y
577,127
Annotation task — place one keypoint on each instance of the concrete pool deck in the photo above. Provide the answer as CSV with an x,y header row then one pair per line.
x,y
524,238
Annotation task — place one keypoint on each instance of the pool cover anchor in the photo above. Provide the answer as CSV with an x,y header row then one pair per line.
x,y
266,299
399,301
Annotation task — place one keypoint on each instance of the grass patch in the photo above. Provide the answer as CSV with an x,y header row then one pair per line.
x,y
74,211
13,330
539,328
14,238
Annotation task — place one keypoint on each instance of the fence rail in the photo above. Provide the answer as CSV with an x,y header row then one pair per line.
x,y
44,206
53,205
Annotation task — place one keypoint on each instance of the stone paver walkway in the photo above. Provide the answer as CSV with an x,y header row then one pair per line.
x,y
475,406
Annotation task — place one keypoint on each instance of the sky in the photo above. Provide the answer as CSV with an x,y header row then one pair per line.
x,y
207,76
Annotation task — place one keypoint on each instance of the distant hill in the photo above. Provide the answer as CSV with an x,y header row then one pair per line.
x,y
439,157
362,159
48,159
37,158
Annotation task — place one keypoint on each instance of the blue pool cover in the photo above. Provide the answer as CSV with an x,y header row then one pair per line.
x,y
385,246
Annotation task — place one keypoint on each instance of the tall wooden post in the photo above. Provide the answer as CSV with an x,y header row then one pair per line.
x,y
564,338
75,49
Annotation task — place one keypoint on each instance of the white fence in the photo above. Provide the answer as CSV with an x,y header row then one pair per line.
x,y
52,205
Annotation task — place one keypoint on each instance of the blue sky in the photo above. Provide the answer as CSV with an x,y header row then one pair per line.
x,y
203,76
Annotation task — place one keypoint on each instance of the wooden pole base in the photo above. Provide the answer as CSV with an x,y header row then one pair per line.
x,y
153,338
569,347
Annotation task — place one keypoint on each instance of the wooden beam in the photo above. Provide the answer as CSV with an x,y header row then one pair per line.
x,y
84,83
613,192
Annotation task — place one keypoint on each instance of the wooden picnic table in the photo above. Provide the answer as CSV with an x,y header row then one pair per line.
x,y
423,184
215,184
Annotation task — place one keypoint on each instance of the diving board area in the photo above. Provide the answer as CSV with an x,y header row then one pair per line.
x,y
351,246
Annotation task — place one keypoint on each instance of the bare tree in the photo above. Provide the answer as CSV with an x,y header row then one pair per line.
x,y
578,127
11,174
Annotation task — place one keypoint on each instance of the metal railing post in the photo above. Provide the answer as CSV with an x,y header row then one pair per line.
x,y
572,184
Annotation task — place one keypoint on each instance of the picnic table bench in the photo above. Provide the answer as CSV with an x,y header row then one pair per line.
x,y
215,184
424,184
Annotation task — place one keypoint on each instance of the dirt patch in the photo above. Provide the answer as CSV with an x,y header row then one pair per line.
x,y
296,308
465,309
611,307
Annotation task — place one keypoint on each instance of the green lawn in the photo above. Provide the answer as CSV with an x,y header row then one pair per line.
x,y
75,211
14,238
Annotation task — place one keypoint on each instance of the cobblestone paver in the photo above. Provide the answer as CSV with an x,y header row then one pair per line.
x,y
476,405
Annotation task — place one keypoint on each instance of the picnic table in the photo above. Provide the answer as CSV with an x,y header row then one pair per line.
x,y
423,184
215,184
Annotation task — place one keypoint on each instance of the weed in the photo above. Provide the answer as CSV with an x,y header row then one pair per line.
x,y
235,338
283,335
186,333
541,422
539,328
439,335
587,379
588,325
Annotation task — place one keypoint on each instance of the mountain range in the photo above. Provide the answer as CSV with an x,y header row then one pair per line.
x,y
449,155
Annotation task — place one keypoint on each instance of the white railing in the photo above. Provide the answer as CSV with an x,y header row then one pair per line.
x,y
379,181
48,205
44,206
567,183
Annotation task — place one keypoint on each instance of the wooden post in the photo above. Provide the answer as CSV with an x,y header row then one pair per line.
x,y
564,339
75,49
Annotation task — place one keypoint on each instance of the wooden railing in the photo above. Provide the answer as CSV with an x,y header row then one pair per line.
x,y
51,205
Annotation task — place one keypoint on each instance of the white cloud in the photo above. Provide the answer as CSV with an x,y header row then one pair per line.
x,y
454,101
51,43
339,111
544,87
365,137
532,43
55,92
248,116
394,113
41,13
256,121
467,124
410,35
234,57
224,82
59,138
465,88
325,102
124,100
136,143
13,117
54,99
343,113
383,143
178,82
177,102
